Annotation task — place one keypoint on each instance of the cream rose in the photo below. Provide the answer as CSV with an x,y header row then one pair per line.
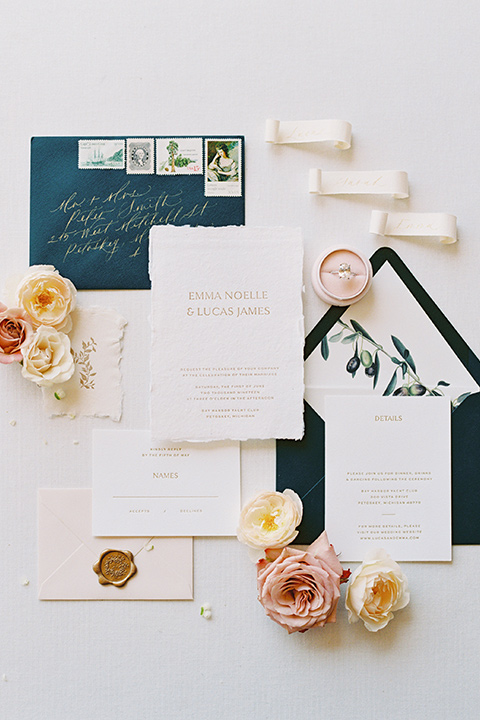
x,y
299,590
376,590
270,520
47,359
47,297
15,332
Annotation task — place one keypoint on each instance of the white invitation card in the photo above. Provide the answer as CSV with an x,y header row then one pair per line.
x,y
227,333
388,476
166,489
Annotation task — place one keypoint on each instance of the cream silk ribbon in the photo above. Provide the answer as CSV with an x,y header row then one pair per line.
x,y
354,182
339,132
439,225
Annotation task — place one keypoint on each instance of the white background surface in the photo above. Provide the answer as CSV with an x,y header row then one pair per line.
x,y
406,76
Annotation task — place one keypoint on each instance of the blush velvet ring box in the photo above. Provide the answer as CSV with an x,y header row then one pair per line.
x,y
341,276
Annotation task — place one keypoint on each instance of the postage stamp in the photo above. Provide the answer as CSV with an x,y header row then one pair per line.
x,y
223,167
179,156
140,156
101,154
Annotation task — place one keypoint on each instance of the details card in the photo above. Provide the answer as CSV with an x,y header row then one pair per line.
x,y
166,489
388,476
227,333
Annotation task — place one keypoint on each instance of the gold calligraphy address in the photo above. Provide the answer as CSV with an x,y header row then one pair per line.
x,y
122,218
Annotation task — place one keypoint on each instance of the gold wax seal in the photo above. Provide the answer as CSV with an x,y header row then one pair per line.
x,y
115,567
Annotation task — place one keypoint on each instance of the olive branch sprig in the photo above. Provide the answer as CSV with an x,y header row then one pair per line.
x,y
364,345
85,367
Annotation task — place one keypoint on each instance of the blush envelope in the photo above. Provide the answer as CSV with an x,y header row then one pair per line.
x,y
67,552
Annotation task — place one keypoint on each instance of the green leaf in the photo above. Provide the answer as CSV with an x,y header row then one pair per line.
x,y
409,360
404,369
349,338
377,370
324,348
392,384
400,347
336,338
434,392
356,326
396,361
442,382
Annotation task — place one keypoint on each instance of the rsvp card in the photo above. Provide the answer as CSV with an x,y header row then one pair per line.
x,y
166,489
227,333
388,476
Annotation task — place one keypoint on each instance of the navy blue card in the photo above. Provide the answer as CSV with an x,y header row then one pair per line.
x,y
301,464
94,200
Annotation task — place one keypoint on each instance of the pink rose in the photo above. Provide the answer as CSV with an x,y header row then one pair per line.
x,y
300,589
15,332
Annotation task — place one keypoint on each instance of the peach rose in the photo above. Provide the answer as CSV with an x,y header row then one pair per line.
x,y
47,359
376,590
300,589
270,520
15,332
47,297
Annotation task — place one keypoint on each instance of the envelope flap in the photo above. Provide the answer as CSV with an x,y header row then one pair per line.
x,y
67,555
172,561
72,579
135,544
165,573
56,541
72,508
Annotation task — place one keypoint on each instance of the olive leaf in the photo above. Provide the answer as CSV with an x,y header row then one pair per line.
x,y
336,338
400,347
409,360
377,370
349,338
442,382
324,348
434,392
392,384
356,326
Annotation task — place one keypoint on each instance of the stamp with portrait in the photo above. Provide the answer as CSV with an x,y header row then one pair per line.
x,y
223,167
179,156
140,156
101,154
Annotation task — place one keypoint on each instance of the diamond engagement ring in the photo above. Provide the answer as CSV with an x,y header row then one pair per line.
x,y
344,271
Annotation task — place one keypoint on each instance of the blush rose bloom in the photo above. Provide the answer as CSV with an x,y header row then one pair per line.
x,y
48,359
270,520
300,589
15,332
47,297
376,590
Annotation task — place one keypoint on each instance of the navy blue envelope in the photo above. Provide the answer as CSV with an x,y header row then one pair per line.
x,y
301,464
93,224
